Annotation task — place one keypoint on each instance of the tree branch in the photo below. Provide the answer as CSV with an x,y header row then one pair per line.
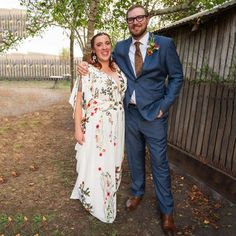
x,y
173,9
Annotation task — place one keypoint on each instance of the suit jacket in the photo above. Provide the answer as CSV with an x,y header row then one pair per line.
x,y
153,92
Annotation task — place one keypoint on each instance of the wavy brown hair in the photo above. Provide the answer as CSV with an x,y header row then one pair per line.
x,y
96,63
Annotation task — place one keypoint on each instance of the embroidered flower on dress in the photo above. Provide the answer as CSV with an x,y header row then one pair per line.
x,y
152,46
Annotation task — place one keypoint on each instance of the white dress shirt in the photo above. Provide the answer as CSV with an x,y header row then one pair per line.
x,y
143,49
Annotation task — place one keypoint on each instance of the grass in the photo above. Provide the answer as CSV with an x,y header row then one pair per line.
x,y
36,84
21,224
4,129
17,146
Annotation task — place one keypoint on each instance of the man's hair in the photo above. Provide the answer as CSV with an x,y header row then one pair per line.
x,y
137,6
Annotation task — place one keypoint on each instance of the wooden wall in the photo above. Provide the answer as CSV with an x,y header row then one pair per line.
x,y
203,120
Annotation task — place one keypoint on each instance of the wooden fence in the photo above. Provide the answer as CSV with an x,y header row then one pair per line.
x,y
27,69
202,122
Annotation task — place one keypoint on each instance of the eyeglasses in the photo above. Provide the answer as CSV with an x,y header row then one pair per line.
x,y
140,18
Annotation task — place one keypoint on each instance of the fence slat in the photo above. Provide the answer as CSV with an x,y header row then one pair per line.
x,y
215,123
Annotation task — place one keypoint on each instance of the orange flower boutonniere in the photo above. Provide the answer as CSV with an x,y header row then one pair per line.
x,y
152,46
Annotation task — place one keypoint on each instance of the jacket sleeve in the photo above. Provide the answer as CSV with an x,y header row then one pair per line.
x,y
175,77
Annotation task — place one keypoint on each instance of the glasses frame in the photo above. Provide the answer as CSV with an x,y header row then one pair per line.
x,y
139,18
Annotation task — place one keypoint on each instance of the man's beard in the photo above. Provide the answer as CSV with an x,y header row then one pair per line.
x,y
138,35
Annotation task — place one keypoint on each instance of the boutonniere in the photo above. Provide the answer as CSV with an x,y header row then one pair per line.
x,y
152,46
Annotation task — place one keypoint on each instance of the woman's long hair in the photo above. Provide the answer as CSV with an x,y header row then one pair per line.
x,y
94,61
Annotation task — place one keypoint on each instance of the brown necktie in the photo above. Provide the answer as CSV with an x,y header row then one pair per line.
x,y
138,59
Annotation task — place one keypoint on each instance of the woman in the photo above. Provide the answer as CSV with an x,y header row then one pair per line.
x,y
99,130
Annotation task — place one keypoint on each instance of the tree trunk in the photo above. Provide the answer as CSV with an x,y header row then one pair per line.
x,y
72,67
91,27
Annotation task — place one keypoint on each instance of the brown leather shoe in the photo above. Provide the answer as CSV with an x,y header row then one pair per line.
x,y
133,202
168,225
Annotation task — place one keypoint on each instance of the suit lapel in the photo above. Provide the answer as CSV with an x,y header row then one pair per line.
x,y
148,58
128,62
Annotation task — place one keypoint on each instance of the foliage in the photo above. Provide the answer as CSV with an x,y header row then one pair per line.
x,y
64,54
27,225
113,21
207,74
109,16
195,7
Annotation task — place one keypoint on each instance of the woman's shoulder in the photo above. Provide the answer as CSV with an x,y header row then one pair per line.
x,y
116,67
92,70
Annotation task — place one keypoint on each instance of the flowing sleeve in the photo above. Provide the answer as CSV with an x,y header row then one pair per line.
x,y
83,85
77,88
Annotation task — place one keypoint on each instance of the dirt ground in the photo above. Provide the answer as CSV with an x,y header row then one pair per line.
x,y
37,174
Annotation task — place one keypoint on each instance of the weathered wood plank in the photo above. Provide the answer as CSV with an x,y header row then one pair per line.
x,y
182,109
219,40
195,57
192,117
229,130
214,35
226,28
209,120
198,115
190,57
179,104
230,60
215,124
203,121
218,157
188,114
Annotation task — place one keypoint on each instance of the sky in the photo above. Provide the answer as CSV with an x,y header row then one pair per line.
x,y
50,42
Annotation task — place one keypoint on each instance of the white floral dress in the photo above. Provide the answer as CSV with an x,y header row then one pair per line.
x,y
100,158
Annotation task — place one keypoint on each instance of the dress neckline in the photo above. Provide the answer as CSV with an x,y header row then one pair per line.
x,y
109,76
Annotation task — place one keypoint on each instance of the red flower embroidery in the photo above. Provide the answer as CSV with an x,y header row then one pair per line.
x,y
94,102
92,113
99,168
108,194
100,154
97,126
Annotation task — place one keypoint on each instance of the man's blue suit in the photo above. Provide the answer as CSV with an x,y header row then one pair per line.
x,y
153,93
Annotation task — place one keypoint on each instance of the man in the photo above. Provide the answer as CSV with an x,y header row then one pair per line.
x,y
148,98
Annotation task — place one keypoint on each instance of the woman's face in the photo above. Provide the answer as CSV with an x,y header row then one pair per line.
x,y
102,48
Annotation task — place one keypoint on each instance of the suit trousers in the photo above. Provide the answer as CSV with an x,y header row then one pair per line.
x,y
140,133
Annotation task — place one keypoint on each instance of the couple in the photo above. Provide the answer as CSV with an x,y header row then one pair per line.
x,y
145,62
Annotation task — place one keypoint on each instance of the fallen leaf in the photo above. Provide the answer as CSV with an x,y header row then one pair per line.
x,y
33,167
2,180
206,222
15,173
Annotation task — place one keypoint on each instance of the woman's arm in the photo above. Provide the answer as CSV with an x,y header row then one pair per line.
x,y
79,135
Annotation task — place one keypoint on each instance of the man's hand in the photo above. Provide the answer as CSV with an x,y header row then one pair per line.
x,y
160,114
82,68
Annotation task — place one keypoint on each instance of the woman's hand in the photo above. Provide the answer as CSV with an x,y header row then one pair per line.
x,y
79,136
82,68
